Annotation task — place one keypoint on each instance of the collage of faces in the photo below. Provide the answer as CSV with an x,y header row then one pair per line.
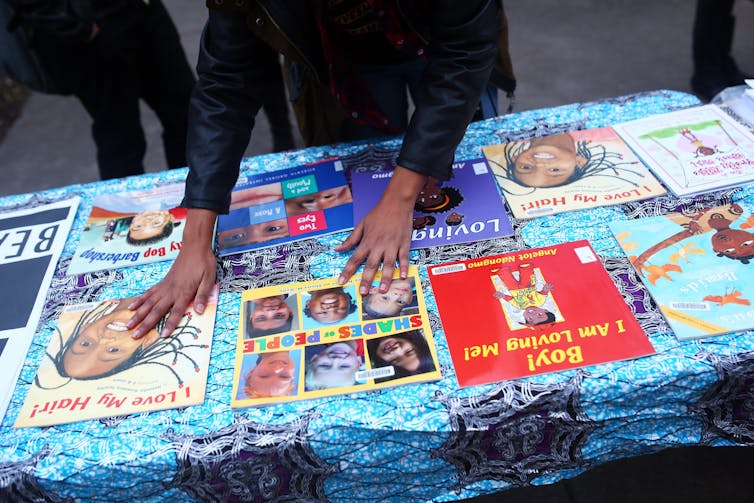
x,y
260,214
336,364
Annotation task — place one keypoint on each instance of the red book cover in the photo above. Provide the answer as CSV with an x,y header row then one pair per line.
x,y
531,312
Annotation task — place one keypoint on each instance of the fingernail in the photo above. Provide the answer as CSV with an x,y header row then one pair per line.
x,y
164,334
404,275
131,305
199,308
363,290
136,334
341,280
383,288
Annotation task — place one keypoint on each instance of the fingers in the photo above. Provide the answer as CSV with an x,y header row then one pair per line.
x,y
403,261
352,239
353,263
202,295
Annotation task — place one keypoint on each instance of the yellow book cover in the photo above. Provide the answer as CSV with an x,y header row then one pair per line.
x,y
93,368
317,338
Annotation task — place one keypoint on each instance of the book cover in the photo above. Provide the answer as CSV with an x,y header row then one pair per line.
x,y
31,241
694,150
131,228
466,208
569,171
93,368
533,311
316,338
696,266
286,206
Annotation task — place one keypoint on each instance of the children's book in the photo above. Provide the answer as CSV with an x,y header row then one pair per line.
x,y
569,171
317,338
286,206
466,208
694,150
93,368
131,228
31,241
696,266
531,312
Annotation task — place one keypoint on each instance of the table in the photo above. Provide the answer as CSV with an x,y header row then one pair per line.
x,y
429,442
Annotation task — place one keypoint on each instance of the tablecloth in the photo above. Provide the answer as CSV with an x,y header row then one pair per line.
x,y
415,443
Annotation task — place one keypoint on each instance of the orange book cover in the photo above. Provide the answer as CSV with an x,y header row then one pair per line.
x,y
531,312
93,368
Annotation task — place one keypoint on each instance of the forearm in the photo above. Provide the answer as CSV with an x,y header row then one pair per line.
x,y
461,56
200,230
222,109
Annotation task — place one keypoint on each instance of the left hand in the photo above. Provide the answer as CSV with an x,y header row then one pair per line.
x,y
384,235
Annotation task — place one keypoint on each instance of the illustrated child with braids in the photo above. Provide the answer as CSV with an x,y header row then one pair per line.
x,y
561,159
101,345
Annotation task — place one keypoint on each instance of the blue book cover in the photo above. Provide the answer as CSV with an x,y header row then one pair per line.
x,y
466,208
286,206
697,266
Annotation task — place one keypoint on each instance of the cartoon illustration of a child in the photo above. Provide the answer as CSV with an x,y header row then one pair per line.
x,y
100,344
436,198
557,160
526,299
150,227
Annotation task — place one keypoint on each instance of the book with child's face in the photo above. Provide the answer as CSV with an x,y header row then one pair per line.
x,y
531,312
317,338
131,228
284,206
569,171
694,150
93,368
697,265
466,208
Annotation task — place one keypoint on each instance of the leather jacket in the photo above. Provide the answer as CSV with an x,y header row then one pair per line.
x,y
462,39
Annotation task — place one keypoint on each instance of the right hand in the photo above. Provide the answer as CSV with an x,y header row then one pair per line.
x,y
191,278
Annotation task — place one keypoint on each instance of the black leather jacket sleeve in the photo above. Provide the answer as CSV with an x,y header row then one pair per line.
x,y
222,109
461,55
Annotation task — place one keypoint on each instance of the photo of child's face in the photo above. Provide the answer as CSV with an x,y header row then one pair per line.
x,y
548,161
317,201
329,305
334,366
149,224
390,303
400,352
269,313
534,315
273,375
255,196
104,344
256,233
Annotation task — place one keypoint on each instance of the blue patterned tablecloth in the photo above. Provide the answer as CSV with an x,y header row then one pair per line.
x,y
429,442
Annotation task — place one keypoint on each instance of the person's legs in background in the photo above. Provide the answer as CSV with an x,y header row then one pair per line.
x,y
109,97
165,79
714,68
275,103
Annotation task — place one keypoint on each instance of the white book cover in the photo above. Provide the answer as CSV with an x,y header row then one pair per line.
x,y
694,150
31,241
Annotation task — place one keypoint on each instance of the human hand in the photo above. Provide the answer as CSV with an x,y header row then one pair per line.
x,y
384,235
191,278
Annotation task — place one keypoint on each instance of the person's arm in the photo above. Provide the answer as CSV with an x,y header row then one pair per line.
x,y
461,55
221,115
69,20
191,278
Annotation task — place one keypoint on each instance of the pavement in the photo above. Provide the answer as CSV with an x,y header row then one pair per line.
x,y
563,52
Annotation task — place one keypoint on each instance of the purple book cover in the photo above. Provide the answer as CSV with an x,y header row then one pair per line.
x,y
466,208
